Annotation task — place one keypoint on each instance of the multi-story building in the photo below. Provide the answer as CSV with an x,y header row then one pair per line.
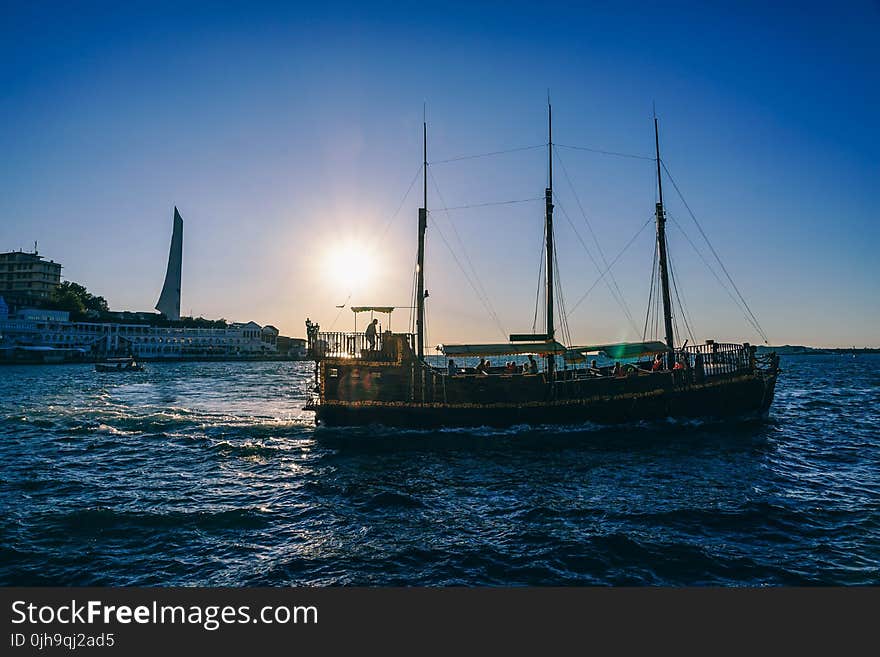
x,y
291,347
26,277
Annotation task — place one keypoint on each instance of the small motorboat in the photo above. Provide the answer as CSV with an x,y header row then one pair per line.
x,y
119,365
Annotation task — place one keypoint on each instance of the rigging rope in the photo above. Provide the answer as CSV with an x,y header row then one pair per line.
x,y
491,153
598,246
540,280
611,289
658,301
336,319
613,262
650,291
399,207
483,205
603,152
566,332
478,287
715,274
675,324
413,300
756,324
684,313
382,235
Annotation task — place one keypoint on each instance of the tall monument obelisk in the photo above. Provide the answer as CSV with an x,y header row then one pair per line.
x,y
169,300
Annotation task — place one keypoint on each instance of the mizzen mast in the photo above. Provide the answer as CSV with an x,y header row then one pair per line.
x,y
661,247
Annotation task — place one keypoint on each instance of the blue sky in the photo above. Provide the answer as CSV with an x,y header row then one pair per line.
x,y
287,136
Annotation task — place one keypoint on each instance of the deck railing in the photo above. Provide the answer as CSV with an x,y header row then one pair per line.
x,y
347,344
717,358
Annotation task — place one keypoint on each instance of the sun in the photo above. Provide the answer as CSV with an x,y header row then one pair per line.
x,y
349,266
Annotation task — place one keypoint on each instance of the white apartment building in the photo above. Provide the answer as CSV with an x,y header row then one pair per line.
x,y
52,329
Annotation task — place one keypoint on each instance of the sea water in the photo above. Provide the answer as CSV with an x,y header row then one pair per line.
x,y
213,474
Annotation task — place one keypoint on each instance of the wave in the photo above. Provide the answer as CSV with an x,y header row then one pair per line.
x,y
247,449
392,500
105,520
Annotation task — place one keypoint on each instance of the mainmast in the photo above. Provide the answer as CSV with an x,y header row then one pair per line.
x,y
548,219
661,247
420,263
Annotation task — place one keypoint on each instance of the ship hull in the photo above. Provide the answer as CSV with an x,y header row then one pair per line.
x,y
745,396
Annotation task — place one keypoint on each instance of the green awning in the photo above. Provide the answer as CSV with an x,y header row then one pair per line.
x,y
502,349
368,309
618,351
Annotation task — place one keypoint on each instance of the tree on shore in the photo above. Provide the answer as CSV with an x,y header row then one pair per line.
x,y
77,300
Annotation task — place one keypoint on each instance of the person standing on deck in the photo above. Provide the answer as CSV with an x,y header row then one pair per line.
x,y
371,334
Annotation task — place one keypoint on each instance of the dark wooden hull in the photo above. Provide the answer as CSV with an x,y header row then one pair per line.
x,y
744,395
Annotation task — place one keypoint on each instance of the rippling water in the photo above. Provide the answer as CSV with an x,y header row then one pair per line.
x,y
212,474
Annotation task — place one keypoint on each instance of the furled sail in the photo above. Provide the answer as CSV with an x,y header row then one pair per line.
x,y
618,351
169,300
502,349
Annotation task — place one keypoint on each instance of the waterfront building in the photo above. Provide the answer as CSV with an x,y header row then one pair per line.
x,y
295,348
36,334
33,330
27,278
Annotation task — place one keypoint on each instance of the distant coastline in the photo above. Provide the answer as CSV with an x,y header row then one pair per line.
x,y
800,350
62,359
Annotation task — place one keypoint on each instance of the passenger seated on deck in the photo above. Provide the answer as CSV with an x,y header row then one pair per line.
x,y
594,368
510,368
678,365
658,363
532,365
618,371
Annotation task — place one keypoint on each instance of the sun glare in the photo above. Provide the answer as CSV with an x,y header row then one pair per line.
x,y
349,266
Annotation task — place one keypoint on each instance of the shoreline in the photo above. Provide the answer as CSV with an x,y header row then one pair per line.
x,y
172,359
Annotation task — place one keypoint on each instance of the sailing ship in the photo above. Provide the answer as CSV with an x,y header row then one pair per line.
x,y
385,378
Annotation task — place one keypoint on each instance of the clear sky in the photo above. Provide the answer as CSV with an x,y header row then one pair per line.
x,y
287,136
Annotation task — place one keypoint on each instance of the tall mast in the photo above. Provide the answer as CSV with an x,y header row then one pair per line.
x,y
420,265
661,244
548,218
424,157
